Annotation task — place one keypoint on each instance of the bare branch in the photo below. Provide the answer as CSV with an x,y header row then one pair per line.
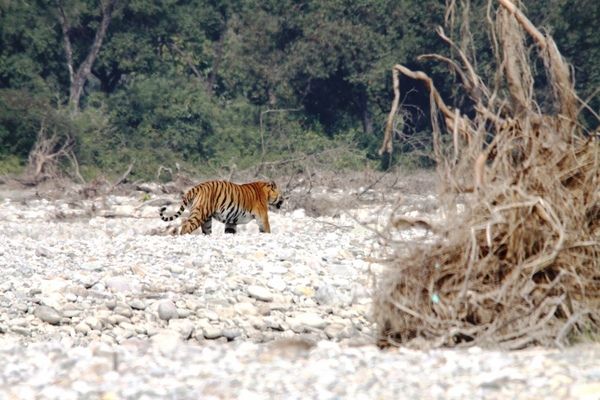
x,y
123,177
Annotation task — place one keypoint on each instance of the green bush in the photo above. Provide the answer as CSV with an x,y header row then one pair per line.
x,y
10,165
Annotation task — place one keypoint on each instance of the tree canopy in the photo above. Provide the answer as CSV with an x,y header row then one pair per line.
x,y
192,81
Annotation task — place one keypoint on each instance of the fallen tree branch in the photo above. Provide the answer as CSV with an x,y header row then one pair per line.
x,y
123,177
73,159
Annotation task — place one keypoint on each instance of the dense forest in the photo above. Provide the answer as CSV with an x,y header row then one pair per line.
x,y
203,84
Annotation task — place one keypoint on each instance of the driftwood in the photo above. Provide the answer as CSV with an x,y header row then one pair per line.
x,y
123,177
46,154
521,264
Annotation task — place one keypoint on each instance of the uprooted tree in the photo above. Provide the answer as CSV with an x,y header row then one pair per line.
x,y
520,265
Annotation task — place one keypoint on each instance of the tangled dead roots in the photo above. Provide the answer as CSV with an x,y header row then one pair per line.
x,y
520,265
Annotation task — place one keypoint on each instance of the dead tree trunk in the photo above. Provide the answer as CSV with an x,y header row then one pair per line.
x,y
45,156
79,77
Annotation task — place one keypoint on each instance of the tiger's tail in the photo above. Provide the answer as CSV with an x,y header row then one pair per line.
x,y
172,217
187,199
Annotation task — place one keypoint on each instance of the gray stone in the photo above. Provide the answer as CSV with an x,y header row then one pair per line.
x,y
176,269
87,281
231,333
137,304
118,319
72,297
43,252
325,294
82,328
277,283
183,326
260,293
167,310
93,323
210,314
111,303
190,288
212,332
20,330
48,314
122,284
275,323
106,338
338,331
92,266
245,308
71,312
123,310
183,312
301,321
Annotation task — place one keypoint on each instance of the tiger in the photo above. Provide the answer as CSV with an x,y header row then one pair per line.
x,y
229,203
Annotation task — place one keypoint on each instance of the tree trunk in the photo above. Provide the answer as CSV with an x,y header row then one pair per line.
x,y
79,78
218,50
367,119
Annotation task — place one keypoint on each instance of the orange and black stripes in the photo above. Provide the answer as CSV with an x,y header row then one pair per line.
x,y
172,217
227,202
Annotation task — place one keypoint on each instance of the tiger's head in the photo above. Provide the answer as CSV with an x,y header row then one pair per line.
x,y
274,197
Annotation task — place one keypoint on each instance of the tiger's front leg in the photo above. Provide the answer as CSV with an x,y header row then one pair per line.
x,y
263,223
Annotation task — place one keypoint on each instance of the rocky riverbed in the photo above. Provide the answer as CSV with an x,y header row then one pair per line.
x,y
97,301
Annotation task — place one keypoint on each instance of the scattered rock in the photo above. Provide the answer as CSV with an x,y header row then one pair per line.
x,y
123,284
338,331
48,314
300,322
304,291
183,326
231,333
166,341
212,332
83,313
176,268
137,304
123,310
167,310
325,294
277,283
260,293
93,323
245,308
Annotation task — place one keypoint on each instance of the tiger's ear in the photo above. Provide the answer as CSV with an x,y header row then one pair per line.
x,y
273,184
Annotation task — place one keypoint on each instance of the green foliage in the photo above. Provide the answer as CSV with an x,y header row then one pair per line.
x,y
190,81
10,164
20,117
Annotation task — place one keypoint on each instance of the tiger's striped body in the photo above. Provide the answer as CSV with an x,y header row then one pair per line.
x,y
229,203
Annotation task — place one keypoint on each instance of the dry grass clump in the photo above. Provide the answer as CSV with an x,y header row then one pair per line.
x,y
521,265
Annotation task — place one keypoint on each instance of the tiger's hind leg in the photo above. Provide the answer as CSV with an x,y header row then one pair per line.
x,y
230,228
207,226
197,219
